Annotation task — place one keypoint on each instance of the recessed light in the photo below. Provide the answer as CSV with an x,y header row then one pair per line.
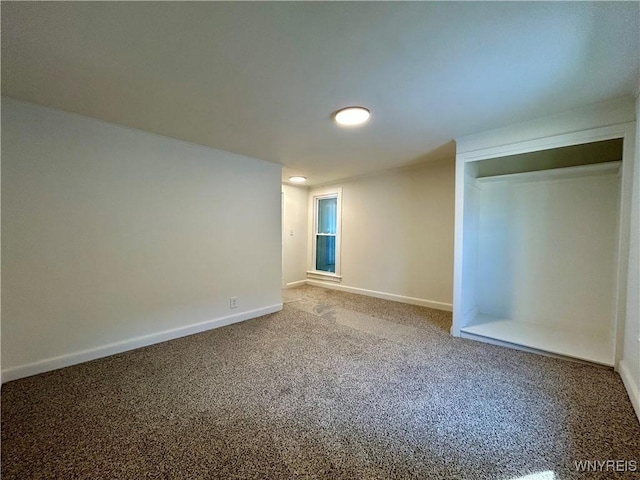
x,y
298,179
350,116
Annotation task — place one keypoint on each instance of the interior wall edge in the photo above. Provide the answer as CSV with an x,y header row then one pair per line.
x,y
631,384
82,356
126,128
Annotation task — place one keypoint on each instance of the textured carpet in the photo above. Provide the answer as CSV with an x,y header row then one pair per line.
x,y
335,386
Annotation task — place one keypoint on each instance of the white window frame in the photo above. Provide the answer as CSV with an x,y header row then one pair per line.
x,y
314,197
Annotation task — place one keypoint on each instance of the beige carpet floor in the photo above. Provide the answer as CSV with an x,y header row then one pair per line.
x,y
336,386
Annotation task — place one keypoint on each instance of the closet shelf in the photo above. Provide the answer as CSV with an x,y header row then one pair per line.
x,y
556,173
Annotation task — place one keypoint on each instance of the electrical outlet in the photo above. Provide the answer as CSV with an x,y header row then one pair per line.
x,y
233,302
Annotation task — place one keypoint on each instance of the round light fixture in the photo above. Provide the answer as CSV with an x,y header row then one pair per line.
x,y
351,116
298,179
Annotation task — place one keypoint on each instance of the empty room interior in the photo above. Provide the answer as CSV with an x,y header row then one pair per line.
x,y
320,240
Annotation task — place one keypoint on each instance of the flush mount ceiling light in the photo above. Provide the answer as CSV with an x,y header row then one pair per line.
x,y
298,179
351,116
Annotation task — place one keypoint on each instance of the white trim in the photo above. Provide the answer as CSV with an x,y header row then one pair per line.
x,y
326,276
603,114
458,246
548,143
282,238
625,203
299,283
633,389
385,296
82,356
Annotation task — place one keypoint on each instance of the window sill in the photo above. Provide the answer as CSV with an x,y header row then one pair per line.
x,y
320,275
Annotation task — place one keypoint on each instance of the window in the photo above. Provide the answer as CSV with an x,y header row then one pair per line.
x,y
326,234
327,209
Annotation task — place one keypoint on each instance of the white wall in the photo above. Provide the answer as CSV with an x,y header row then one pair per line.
x,y
115,238
546,250
295,238
630,363
397,234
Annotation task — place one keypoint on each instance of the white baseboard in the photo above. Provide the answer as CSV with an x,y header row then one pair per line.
x,y
299,283
385,296
54,363
631,384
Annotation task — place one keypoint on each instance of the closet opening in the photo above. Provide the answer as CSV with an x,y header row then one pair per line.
x,y
540,249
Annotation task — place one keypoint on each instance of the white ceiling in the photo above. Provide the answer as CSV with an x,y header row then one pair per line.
x,y
262,79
